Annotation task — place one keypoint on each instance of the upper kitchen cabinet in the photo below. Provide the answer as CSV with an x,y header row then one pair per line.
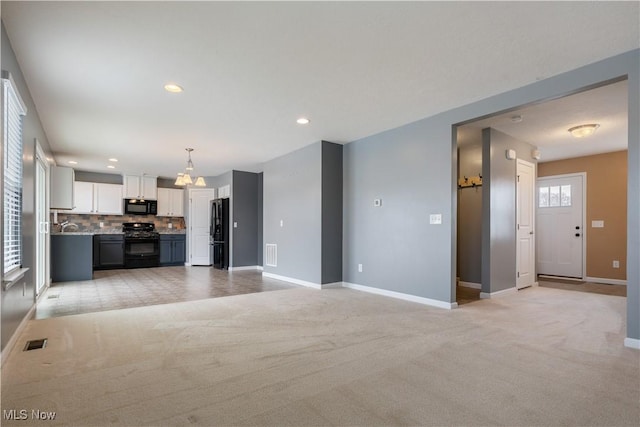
x,y
140,187
170,202
62,187
96,198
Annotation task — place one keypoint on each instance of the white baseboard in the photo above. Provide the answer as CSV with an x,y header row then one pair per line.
x,y
260,268
243,268
470,285
632,343
607,281
292,280
333,285
14,338
399,295
488,295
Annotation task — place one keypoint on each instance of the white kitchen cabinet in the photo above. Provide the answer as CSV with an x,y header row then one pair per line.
x,y
96,198
170,202
224,192
83,197
140,187
62,179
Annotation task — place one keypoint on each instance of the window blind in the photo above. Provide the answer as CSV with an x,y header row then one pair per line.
x,y
13,113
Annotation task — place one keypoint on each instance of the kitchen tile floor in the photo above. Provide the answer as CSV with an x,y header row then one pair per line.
x,y
116,289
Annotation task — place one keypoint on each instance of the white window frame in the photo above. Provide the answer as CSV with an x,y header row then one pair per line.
x,y
13,112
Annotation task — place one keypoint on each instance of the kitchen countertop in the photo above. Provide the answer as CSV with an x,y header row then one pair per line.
x,y
171,231
113,231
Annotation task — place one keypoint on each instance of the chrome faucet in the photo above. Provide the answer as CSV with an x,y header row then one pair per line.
x,y
65,224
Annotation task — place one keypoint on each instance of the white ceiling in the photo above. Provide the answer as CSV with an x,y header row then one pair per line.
x,y
546,125
96,70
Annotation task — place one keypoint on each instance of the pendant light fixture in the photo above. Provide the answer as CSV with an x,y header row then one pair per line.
x,y
185,177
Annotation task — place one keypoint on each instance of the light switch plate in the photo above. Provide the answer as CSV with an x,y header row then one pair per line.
x,y
235,224
435,219
597,224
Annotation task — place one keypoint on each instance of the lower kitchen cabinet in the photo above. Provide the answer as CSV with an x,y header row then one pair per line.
x,y
108,251
172,249
70,257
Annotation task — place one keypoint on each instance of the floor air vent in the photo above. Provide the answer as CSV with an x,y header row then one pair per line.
x,y
53,296
271,256
35,344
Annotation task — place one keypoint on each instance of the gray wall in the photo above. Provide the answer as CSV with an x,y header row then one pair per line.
x,y
292,193
470,213
410,170
413,170
103,178
17,301
331,212
245,214
499,208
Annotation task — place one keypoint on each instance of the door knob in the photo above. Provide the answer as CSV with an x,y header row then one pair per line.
x,y
577,234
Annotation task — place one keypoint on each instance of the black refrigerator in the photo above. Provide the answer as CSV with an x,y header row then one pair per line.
x,y
219,231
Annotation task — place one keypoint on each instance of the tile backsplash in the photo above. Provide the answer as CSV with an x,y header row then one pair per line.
x,y
92,222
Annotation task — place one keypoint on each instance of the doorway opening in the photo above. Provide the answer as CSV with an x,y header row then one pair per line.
x,y
543,127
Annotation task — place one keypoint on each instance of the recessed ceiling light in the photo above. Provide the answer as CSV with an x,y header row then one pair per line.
x,y
173,88
113,159
72,162
111,166
303,121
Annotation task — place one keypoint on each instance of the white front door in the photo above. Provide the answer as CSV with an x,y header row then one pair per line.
x,y
199,222
560,222
525,214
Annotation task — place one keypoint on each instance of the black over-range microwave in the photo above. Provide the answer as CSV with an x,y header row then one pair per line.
x,y
140,207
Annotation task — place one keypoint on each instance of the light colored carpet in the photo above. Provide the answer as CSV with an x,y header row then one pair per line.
x,y
303,357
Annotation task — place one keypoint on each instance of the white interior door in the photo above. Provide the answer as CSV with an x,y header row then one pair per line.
x,y
199,220
560,219
42,223
525,214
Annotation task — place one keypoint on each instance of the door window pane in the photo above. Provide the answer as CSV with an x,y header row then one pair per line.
x,y
565,195
543,197
554,195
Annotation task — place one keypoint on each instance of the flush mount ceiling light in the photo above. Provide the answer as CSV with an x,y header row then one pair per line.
x,y
584,130
173,88
111,167
185,178
113,159
303,121
72,162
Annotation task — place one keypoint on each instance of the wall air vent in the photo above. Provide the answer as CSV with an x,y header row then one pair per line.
x,y
271,255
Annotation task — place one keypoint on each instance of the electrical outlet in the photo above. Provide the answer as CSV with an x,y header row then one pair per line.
x,y
377,202
435,219
101,224
235,224
616,263
170,225
359,268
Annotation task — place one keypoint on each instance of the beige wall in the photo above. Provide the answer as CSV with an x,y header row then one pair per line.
x,y
607,201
